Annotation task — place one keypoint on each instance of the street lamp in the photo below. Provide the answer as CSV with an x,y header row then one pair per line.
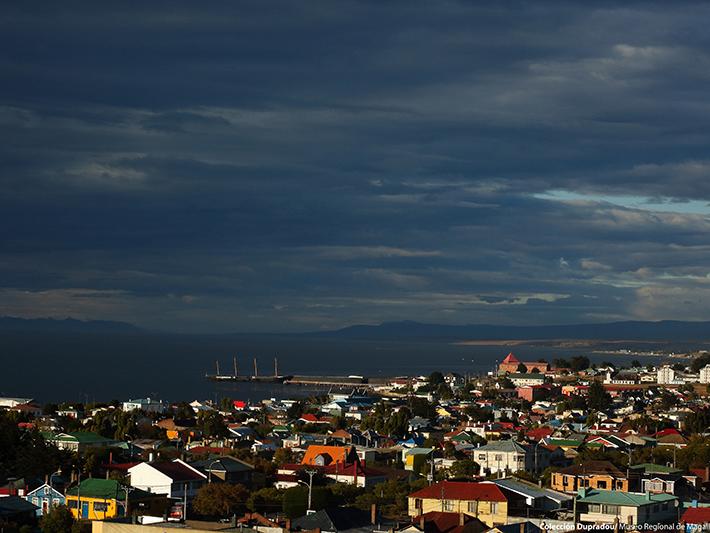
x,y
209,470
52,477
310,473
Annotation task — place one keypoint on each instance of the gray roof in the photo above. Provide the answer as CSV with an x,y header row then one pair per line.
x,y
504,446
531,491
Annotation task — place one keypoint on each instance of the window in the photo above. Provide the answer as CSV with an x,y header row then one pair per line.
x,y
448,505
610,509
100,507
473,507
71,504
481,456
498,457
56,502
594,508
601,484
418,503
35,500
494,507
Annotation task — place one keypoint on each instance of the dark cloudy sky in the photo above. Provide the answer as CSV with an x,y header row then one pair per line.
x,y
289,166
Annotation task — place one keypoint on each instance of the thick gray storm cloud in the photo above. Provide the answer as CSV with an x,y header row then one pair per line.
x,y
290,166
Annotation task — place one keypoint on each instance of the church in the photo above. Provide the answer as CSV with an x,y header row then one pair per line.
x,y
511,363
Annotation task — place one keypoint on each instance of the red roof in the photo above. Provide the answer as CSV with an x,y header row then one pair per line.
x,y
667,431
440,522
539,433
461,490
696,515
510,358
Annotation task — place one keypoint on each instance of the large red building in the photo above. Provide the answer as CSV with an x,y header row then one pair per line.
x,y
511,363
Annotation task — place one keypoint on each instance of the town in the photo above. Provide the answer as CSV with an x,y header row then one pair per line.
x,y
535,445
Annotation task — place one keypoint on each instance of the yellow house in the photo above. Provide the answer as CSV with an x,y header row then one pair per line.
x,y
484,501
590,475
97,499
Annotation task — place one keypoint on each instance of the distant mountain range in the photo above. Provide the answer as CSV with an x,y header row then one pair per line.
x,y
664,330
672,330
68,325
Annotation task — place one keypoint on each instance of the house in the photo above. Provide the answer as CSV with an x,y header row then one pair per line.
x,y
658,479
317,455
590,475
6,403
503,456
484,501
527,380
99,499
335,520
439,522
18,510
696,519
629,508
414,459
174,479
79,441
226,469
45,497
145,404
526,498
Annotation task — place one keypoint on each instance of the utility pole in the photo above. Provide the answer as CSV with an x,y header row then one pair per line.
x,y
256,370
236,373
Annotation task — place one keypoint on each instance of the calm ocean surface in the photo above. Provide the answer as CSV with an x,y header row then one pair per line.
x,y
100,367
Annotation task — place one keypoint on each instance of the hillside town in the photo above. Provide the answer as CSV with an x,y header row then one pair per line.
x,y
536,445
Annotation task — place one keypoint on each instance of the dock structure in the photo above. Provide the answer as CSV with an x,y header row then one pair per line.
x,y
333,381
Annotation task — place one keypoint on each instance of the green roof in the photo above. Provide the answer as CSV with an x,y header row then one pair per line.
x,y
565,442
105,489
617,497
650,468
83,437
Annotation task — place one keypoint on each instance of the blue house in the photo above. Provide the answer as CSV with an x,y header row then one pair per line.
x,y
45,497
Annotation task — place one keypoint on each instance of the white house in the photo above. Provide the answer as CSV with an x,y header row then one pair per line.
x,y
175,479
145,404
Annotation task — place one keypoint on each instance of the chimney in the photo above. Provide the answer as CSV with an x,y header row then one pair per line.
x,y
373,514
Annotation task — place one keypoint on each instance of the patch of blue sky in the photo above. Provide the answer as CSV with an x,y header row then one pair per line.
x,y
646,203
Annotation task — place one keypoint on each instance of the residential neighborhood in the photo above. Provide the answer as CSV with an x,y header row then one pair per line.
x,y
588,445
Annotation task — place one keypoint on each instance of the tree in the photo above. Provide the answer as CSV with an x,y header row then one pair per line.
x,y
464,468
579,362
212,424
266,500
636,363
435,378
221,499
700,362
522,368
58,520
599,399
